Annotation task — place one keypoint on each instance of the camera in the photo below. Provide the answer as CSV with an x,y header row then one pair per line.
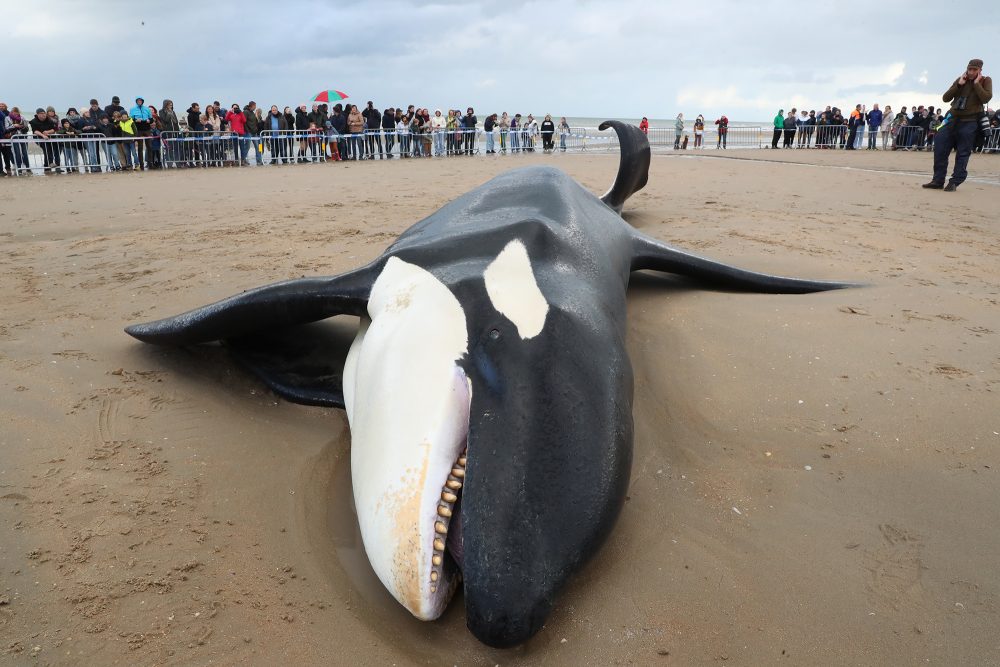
x,y
960,103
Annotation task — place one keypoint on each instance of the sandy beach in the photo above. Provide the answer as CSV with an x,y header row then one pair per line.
x,y
814,482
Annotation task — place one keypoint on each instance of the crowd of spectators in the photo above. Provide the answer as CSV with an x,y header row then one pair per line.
x,y
143,137
832,129
114,138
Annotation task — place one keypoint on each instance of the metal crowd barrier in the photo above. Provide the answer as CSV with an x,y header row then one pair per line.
x,y
909,137
991,140
83,153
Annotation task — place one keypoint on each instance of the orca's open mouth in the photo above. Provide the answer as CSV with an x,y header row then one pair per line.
x,y
448,548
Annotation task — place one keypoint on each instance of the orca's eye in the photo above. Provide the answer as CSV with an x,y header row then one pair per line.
x,y
494,334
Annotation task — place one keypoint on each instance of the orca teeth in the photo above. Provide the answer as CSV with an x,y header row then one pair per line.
x,y
445,511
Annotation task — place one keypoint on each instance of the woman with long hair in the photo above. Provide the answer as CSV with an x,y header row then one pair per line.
x,y
212,124
356,128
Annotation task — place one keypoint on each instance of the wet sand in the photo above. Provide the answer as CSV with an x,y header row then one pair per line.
x,y
814,480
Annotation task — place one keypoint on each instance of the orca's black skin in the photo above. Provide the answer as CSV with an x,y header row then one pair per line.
x,y
550,432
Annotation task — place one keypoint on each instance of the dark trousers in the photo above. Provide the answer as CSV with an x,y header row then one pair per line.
x,y
8,157
470,139
961,137
851,137
872,136
390,135
776,137
789,138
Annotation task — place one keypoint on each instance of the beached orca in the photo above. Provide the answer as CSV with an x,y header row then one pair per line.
x,y
488,389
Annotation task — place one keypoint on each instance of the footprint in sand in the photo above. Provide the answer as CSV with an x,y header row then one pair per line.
x,y
894,567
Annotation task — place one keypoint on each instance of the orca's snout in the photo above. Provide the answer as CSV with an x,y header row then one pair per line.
x,y
505,628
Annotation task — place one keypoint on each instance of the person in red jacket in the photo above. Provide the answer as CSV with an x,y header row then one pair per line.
x,y
644,125
723,124
238,126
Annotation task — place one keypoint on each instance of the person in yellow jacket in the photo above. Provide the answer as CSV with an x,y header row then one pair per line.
x,y
127,127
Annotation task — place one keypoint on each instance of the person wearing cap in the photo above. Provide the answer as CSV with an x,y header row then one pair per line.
x,y
113,107
42,129
968,96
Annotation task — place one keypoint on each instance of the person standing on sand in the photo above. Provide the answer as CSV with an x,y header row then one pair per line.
x,y
968,96
563,133
699,131
723,130
678,130
779,127
789,125
887,118
874,118
548,129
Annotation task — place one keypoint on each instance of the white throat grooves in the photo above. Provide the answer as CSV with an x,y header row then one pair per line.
x,y
512,288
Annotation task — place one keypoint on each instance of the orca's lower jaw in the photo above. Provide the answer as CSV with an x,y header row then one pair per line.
x,y
446,561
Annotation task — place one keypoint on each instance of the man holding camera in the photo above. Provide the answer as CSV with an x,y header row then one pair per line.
x,y
968,96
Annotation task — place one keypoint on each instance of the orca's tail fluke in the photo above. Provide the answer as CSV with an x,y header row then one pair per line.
x,y
633,170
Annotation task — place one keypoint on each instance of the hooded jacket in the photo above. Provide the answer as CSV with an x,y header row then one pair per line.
x,y
168,118
194,120
140,112
301,120
252,125
373,118
438,121
388,120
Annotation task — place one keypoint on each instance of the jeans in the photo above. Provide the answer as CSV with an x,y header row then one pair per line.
x,y
390,136
20,154
357,147
489,142
131,157
872,136
677,140
111,153
562,141
515,143
961,137
70,155
470,140
438,142
92,160
860,138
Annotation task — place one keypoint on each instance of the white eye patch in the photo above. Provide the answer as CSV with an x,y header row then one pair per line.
x,y
514,292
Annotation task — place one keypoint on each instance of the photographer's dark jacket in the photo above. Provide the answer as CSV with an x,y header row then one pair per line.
x,y
976,94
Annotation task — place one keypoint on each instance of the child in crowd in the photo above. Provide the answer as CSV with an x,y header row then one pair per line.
x,y
69,148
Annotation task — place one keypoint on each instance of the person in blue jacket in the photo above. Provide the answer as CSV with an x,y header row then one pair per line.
x,y
143,119
874,118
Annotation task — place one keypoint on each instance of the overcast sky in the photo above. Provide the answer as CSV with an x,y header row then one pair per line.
x,y
603,59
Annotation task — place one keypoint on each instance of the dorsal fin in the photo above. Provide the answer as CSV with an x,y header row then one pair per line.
x,y
633,169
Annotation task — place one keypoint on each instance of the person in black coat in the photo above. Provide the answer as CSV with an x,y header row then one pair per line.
x,y
389,129
548,129
373,135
